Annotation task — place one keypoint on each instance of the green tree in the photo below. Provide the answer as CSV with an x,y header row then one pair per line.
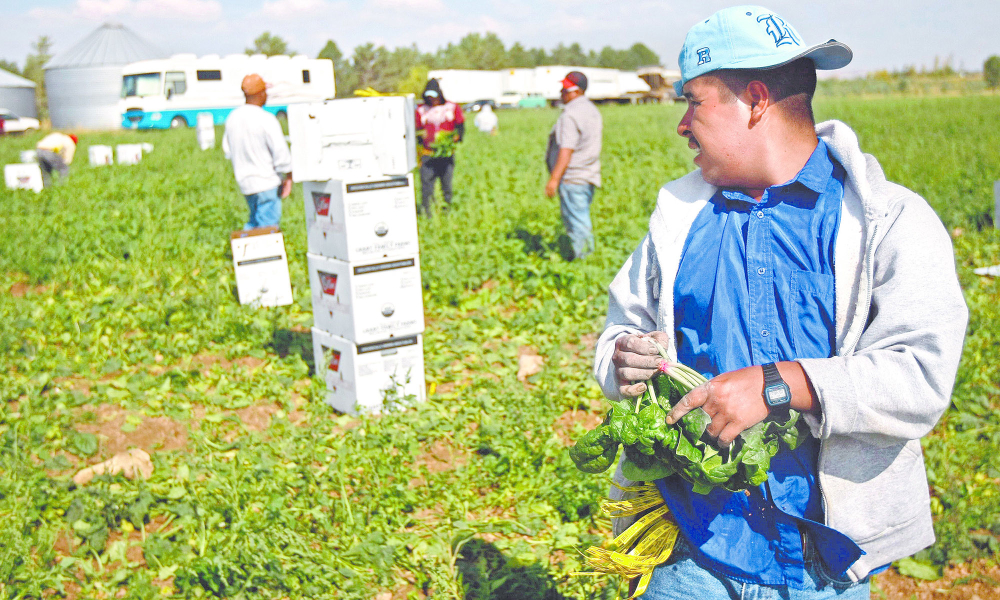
x,y
343,72
991,71
270,45
475,51
415,81
519,57
34,69
571,55
641,56
9,66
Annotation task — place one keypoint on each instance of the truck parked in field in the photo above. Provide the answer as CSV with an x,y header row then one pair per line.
x,y
170,92
538,86
465,85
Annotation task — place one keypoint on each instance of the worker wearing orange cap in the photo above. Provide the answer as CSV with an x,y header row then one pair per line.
x,y
262,164
55,153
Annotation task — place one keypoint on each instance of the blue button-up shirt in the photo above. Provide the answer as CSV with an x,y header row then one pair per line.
x,y
755,285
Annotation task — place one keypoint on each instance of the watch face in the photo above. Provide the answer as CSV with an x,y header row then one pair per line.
x,y
776,394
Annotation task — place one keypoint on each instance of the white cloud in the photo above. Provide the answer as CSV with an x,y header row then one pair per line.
x,y
413,5
206,10
279,9
101,9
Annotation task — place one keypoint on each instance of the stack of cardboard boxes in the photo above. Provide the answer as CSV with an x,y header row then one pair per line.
x,y
354,159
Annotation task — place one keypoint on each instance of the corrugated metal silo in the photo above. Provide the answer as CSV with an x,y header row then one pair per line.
x,y
84,83
17,94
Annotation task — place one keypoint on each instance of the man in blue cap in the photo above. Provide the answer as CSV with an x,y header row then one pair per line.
x,y
788,270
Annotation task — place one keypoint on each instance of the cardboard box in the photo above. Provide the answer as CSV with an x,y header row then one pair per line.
x,y
366,302
100,155
352,138
261,267
362,221
23,176
129,154
362,377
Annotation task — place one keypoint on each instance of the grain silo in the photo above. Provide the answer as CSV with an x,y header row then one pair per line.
x,y
17,94
84,83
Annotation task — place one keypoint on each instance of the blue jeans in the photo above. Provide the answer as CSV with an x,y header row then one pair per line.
x,y
265,209
680,578
574,204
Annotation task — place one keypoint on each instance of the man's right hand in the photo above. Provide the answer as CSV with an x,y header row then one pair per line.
x,y
636,360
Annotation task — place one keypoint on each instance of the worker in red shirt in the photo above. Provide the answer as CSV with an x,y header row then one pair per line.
x,y
443,126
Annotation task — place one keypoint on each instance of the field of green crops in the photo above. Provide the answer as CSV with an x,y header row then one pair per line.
x,y
120,328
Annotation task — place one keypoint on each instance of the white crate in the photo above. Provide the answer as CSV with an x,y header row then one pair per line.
x,y
360,376
129,154
100,155
261,266
23,176
360,221
29,156
206,138
352,138
147,148
206,131
366,302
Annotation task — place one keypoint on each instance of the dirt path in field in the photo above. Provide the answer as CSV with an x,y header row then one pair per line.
x,y
979,580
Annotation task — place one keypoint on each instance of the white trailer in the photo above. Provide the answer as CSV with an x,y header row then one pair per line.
x,y
602,84
463,85
172,92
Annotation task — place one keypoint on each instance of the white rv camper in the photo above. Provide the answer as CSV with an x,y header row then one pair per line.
x,y
170,92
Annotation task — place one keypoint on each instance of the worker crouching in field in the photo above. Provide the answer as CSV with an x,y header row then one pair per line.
x,y
788,268
55,153
573,158
442,125
262,164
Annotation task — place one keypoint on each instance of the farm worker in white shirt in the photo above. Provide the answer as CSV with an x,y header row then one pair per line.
x,y
55,153
486,121
262,164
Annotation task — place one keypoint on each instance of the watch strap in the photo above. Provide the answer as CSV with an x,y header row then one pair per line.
x,y
772,378
771,374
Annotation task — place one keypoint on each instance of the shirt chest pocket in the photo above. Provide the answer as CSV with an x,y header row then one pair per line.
x,y
811,314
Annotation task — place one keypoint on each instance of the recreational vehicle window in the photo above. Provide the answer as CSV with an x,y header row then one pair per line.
x,y
209,75
305,75
176,83
141,84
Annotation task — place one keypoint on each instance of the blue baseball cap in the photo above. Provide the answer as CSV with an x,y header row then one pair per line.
x,y
750,37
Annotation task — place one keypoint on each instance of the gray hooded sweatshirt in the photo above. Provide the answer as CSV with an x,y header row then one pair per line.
x,y
900,325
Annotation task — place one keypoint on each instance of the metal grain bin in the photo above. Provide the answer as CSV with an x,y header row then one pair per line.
x,y
17,94
84,83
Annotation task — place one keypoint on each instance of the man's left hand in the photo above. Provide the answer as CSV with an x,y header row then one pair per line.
x,y
551,188
734,400
286,187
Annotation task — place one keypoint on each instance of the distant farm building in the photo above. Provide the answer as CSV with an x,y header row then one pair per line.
x,y
17,94
84,83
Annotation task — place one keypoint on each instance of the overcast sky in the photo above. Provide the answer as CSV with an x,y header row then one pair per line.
x,y
883,34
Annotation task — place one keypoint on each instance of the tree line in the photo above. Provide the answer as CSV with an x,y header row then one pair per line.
x,y
34,64
404,69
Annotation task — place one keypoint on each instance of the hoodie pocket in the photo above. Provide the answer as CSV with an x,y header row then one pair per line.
x,y
812,314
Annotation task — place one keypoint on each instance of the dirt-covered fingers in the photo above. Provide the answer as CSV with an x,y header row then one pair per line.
x,y
632,359
632,390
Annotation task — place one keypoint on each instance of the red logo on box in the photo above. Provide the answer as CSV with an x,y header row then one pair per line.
x,y
328,282
334,364
322,203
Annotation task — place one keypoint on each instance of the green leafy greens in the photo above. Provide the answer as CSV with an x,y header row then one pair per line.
x,y
654,450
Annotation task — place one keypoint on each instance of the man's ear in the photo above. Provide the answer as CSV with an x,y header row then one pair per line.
x,y
759,98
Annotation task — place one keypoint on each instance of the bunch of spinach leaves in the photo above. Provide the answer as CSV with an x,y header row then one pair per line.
x,y
654,449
